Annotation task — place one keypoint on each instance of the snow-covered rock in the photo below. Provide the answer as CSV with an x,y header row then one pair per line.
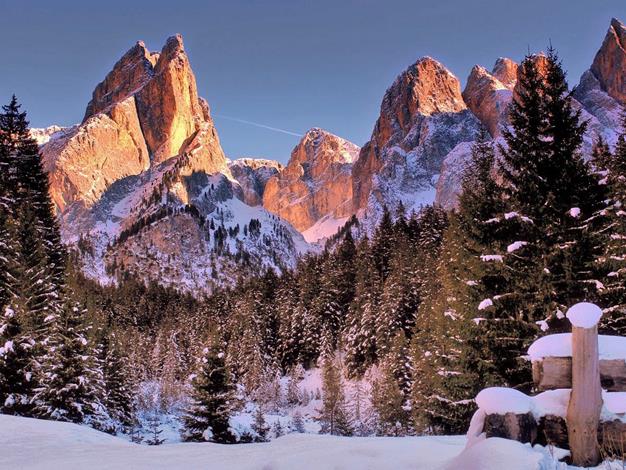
x,y
44,134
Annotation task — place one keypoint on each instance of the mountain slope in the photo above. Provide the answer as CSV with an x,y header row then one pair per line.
x,y
143,188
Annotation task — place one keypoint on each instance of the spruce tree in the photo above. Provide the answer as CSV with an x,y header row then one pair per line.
x,y
212,401
259,426
16,364
547,239
612,167
118,387
333,416
30,186
388,401
70,386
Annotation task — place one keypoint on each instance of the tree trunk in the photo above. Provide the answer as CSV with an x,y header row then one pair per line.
x,y
583,412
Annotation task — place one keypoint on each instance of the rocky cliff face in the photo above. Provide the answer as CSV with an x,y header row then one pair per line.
x,y
252,174
145,111
423,117
609,63
142,185
316,183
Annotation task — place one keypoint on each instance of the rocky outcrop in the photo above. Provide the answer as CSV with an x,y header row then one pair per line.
x,y
423,117
315,183
505,70
609,64
144,185
145,111
252,174
85,160
168,104
488,97
128,75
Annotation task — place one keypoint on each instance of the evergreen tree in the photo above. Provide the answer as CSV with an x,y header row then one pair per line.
x,y
360,330
70,387
154,426
333,415
30,186
388,401
612,168
16,365
259,425
297,423
547,235
119,394
207,419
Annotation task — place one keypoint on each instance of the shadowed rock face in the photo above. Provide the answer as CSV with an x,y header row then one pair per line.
x,y
423,117
145,111
252,174
609,64
316,182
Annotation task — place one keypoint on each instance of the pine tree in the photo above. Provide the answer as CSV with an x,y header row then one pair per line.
x,y
119,394
259,426
31,186
612,263
207,419
297,423
154,426
333,415
296,374
388,401
16,365
70,387
547,240
360,330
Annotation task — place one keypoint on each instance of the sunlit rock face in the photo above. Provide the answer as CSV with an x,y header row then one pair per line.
x,y
422,118
145,111
142,186
609,64
316,183
489,97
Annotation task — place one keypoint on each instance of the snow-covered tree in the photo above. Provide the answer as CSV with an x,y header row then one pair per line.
x,y
334,416
212,401
612,168
16,364
70,387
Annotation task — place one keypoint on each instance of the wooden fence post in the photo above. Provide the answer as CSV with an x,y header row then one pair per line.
x,y
583,412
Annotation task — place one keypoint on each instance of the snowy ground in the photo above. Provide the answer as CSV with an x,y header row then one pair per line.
x,y
35,444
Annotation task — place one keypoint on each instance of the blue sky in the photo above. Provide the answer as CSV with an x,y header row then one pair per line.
x,y
288,64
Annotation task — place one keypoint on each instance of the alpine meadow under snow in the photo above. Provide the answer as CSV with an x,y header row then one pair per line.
x,y
420,302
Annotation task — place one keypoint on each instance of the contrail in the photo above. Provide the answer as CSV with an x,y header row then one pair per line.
x,y
257,124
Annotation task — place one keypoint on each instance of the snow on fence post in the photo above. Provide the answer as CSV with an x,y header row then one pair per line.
x,y
585,405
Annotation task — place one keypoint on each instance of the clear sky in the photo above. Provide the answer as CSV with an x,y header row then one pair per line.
x,y
288,64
